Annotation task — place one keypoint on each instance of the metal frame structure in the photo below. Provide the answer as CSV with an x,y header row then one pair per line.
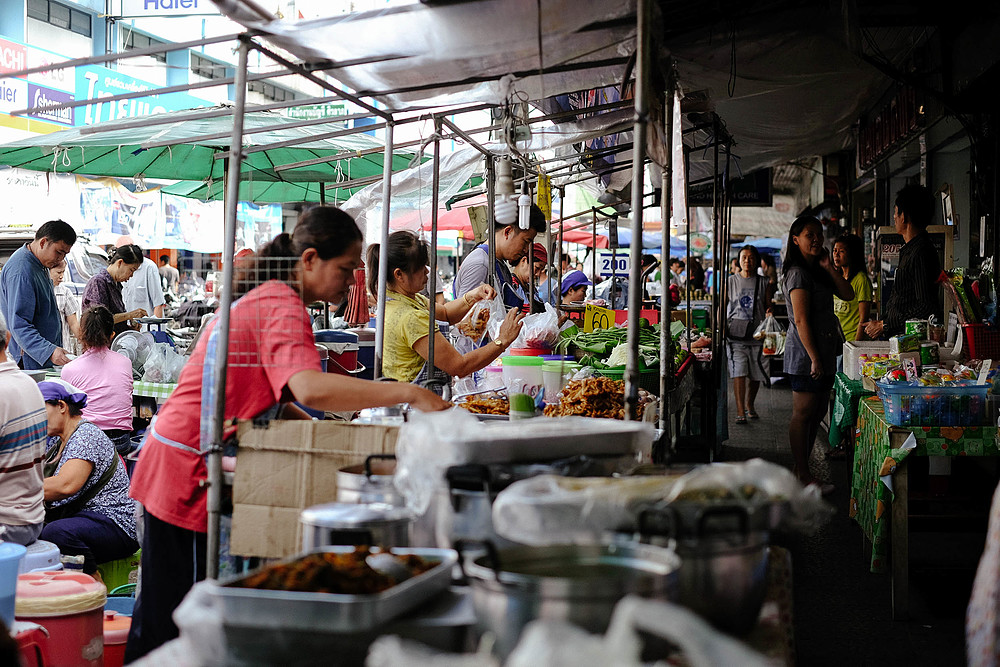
x,y
389,120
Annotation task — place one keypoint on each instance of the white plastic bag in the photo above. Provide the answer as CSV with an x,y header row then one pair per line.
x,y
540,330
768,325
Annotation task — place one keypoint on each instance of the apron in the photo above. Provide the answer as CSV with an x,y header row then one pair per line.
x,y
512,298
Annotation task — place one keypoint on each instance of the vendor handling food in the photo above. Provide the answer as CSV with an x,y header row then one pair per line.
x,y
272,361
407,316
510,244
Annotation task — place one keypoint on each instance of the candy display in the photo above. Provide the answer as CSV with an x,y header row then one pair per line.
x,y
939,397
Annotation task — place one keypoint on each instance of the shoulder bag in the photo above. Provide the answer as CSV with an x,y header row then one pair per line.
x,y
739,329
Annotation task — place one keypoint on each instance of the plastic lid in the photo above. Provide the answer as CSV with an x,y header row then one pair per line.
x,y
353,515
59,593
557,365
494,369
523,361
116,627
335,336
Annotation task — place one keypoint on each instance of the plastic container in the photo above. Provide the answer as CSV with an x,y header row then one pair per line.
x,y
120,572
42,556
523,378
934,406
10,557
699,318
527,351
116,627
557,357
344,362
69,605
555,375
493,377
853,351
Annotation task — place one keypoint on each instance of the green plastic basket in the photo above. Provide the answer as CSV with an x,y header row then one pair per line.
x,y
118,573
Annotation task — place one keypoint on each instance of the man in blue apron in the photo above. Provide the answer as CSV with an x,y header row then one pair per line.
x,y
510,244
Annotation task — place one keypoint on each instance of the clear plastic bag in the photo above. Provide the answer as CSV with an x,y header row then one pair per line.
x,y
768,325
473,326
162,365
540,330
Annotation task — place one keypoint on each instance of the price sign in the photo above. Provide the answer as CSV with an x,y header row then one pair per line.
x,y
612,264
595,317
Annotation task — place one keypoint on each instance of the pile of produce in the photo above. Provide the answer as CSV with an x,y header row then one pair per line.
x,y
600,347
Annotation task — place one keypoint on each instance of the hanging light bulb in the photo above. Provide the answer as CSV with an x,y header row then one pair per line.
x,y
524,206
505,208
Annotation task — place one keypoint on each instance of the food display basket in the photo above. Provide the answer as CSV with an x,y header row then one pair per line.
x,y
934,406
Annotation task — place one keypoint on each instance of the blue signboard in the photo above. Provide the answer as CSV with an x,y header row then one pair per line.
x,y
93,81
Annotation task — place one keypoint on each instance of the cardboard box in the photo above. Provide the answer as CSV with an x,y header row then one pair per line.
x,y
288,466
853,351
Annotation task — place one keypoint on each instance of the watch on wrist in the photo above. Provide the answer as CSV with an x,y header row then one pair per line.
x,y
498,342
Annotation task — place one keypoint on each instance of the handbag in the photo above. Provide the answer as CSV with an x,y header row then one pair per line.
x,y
739,329
78,503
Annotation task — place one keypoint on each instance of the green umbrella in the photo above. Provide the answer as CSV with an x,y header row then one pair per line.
x,y
186,149
258,191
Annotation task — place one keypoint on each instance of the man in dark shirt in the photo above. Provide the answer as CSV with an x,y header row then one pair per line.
x,y
914,288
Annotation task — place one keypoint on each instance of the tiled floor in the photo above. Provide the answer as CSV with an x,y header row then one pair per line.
x,y
842,611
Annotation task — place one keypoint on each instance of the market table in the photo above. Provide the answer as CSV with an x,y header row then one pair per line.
x,y
880,477
845,407
157,390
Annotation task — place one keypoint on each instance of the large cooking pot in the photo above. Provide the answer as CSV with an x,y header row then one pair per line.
x,y
375,524
724,558
580,584
369,482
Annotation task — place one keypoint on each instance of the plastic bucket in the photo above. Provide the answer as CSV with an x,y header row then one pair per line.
x,y
699,318
116,627
10,557
69,605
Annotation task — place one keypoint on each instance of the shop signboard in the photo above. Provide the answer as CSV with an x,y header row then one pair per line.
x,y
612,264
93,82
144,8
751,190
317,111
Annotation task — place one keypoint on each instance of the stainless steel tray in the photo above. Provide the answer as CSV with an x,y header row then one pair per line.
x,y
277,611
548,438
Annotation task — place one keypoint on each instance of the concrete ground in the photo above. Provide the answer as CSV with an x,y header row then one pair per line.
x,y
843,611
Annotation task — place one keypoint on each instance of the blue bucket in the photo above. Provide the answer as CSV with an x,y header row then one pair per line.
x,y
10,556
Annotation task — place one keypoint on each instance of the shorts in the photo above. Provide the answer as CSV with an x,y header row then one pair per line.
x,y
745,361
806,383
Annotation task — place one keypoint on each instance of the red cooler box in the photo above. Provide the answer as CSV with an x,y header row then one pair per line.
x,y
70,606
342,349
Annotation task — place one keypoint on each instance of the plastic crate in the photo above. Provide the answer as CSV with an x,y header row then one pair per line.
x,y
982,342
934,406
117,573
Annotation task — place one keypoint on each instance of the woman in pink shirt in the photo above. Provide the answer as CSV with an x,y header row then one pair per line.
x,y
106,378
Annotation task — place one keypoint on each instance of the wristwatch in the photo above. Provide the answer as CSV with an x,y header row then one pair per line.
x,y
498,342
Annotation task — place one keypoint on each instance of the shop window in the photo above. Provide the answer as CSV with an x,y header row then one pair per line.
x,y
60,15
208,69
271,91
136,40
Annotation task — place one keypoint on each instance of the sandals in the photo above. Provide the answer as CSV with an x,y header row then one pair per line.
x,y
741,419
752,414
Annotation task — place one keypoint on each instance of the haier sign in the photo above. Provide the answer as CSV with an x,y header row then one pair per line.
x,y
139,8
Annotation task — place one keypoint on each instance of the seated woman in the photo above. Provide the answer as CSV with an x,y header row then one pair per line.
x,y
105,377
88,511
105,287
407,318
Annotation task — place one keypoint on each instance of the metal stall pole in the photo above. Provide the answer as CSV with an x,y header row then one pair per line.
x,y
562,223
667,369
491,188
635,251
218,416
383,266
593,254
711,418
435,184
687,216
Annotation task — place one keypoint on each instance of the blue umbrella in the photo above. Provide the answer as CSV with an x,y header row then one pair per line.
x,y
649,240
761,244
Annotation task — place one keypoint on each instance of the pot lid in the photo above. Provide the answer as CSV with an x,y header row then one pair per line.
x,y
116,627
351,515
57,593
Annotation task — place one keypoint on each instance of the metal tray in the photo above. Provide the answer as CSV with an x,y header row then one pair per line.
x,y
277,611
550,438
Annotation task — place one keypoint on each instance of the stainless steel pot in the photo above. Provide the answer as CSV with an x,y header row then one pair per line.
x,y
580,584
375,524
724,559
369,482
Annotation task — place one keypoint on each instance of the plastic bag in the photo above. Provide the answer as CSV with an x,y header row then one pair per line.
x,y
540,330
768,325
390,651
560,644
473,325
498,311
162,365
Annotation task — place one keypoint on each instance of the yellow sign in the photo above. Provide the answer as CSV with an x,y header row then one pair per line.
x,y
543,195
595,317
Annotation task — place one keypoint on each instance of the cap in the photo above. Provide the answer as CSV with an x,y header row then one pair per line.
x,y
574,279
539,254
60,390
124,240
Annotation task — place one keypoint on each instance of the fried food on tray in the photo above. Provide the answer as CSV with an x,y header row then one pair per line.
x,y
486,405
330,572
592,397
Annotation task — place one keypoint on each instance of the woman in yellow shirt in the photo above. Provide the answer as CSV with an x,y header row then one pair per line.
x,y
407,316
849,258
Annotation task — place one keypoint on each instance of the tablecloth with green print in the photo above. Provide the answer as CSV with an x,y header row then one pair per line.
x,y
153,389
845,407
876,458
